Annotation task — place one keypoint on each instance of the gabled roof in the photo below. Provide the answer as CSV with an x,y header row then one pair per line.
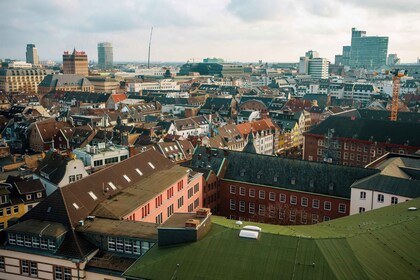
x,y
29,186
256,126
118,97
53,167
48,128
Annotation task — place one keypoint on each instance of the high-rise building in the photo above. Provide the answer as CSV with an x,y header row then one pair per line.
x,y
338,60
318,68
75,63
312,54
367,52
32,54
303,65
346,55
105,54
393,59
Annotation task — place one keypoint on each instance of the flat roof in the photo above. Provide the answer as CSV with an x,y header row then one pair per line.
x,y
121,228
379,244
39,228
177,220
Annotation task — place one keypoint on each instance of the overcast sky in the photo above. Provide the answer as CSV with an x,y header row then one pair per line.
x,y
236,30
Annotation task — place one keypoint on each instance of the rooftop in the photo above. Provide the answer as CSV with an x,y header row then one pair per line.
x,y
379,244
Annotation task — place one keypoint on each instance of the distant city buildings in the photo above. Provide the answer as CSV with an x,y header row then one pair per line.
x,y
367,52
105,55
75,63
32,54
21,80
393,59
311,64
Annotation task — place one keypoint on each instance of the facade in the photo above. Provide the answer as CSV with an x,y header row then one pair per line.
x,y
103,84
357,142
265,135
165,84
318,68
32,54
105,55
369,52
41,134
21,80
75,63
397,182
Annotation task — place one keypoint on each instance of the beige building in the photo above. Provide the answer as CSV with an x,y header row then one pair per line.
x,y
64,82
75,63
104,84
21,80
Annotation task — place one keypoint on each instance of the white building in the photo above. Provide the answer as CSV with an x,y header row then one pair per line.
x,y
318,68
20,64
395,183
96,157
165,84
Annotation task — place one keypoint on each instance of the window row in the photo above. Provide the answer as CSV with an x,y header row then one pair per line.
x,y
31,241
128,246
8,211
380,198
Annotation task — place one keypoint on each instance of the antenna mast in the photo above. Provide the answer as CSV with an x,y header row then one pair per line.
x,y
150,43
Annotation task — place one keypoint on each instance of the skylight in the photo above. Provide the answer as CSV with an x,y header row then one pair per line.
x,y
251,234
151,165
93,196
138,171
76,206
126,177
112,186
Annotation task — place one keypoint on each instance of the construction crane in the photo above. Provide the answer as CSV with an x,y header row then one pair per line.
x,y
396,77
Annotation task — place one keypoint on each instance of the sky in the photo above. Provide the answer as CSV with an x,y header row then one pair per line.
x,y
235,30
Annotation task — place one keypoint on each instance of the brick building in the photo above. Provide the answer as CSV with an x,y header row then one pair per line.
x,y
277,190
358,141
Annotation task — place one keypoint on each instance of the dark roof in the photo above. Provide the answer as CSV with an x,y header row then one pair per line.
x,y
385,115
53,167
391,185
30,186
60,80
266,100
322,99
86,97
308,176
401,133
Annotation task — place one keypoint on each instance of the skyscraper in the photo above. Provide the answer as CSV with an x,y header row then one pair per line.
x,y
105,54
75,63
32,54
367,52
318,68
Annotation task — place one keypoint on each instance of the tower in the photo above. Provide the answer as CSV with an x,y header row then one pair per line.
x,y
75,63
32,54
105,54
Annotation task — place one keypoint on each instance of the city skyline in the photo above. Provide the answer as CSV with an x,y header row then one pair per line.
x,y
271,31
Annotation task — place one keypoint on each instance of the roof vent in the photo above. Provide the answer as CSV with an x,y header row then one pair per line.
x,y
81,223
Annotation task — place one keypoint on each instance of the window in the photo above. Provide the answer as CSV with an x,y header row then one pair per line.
x,y
271,211
251,192
119,244
190,192
282,198
272,196
251,208
314,218
315,203
346,146
292,216
12,238
123,157
261,194
78,177
380,198
39,195
327,205
362,209
62,273
34,269
242,191
111,160
342,208
232,204
394,200
190,207
15,209
67,273
196,188
111,244
326,218
8,211
1,213
98,162
28,241
19,239
196,202
241,206
170,210
282,213
304,201
293,199
72,179
232,189
346,155
24,267
261,209
44,243
35,241
1,263
363,195
180,201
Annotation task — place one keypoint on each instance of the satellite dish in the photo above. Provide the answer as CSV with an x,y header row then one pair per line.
x,y
238,223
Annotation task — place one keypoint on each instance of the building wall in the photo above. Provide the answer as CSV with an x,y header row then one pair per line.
x,y
21,80
16,211
282,212
158,211
370,200
352,152
211,195
46,266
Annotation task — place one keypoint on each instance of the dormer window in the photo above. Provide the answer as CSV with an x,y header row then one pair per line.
x,y
311,183
331,187
28,196
242,172
293,181
259,174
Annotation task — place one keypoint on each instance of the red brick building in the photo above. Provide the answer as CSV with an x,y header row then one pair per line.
x,y
277,190
358,141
